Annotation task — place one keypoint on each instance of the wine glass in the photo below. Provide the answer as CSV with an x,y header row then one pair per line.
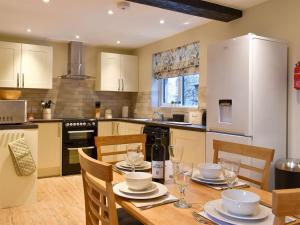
x,y
182,175
133,156
230,170
175,154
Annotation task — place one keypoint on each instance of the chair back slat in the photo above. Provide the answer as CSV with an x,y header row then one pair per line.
x,y
100,206
250,151
285,202
102,141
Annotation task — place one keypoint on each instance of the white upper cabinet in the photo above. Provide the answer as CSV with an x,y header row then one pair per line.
x,y
10,62
130,73
117,73
110,72
25,66
36,66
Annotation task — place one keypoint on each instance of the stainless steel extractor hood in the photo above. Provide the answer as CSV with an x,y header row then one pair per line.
x,y
76,62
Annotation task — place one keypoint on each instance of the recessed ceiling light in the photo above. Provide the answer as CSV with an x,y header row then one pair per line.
x,y
46,1
28,30
110,12
118,42
77,36
186,23
161,21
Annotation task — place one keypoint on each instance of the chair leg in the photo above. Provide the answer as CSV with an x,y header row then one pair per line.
x,y
279,220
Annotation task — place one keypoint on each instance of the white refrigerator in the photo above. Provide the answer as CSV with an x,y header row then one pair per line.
x,y
247,94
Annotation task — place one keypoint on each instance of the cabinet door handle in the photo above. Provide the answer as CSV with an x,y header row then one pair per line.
x,y
122,84
18,80
119,86
23,79
118,124
58,131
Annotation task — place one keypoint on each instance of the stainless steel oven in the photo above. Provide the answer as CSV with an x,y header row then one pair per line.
x,y
77,133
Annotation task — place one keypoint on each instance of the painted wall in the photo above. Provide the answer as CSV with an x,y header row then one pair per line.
x,y
275,18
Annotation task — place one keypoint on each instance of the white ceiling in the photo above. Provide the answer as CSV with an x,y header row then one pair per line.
x,y
64,19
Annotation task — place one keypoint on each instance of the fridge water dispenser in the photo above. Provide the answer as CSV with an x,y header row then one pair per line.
x,y
225,110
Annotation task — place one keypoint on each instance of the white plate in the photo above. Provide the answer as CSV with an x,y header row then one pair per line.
x,y
198,175
125,164
261,213
195,178
124,188
147,166
209,208
161,190
220,179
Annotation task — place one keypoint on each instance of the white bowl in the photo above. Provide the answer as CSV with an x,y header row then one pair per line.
x,y
138,180
210,170
240,202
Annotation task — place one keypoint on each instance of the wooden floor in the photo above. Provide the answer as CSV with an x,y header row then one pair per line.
x,y
60,202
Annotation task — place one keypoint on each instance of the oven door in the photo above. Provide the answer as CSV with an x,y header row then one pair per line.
x,y
70,158
82,137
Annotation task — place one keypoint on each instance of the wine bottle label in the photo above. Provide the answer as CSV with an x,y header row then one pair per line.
x,y
158,169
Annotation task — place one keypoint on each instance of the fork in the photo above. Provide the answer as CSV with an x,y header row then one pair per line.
x,y
200,219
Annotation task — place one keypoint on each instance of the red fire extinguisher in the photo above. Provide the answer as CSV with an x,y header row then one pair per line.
x,y
297,76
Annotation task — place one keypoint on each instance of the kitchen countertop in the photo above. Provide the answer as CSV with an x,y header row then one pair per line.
x,y
18,126
46,121
192,127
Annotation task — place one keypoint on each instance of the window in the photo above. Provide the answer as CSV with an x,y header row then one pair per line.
x,y
180,91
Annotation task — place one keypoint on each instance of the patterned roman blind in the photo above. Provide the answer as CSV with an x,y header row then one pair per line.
x,y
176,62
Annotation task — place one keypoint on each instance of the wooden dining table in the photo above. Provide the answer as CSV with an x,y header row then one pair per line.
x,y
167,214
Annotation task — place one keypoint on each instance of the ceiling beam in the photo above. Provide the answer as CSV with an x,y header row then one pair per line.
x,y
196,8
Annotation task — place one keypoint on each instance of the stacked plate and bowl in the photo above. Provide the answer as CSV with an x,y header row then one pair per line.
x,y
238,207
139,185
139,163
209,173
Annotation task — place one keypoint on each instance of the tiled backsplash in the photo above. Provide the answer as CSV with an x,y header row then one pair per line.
x,y
146,105
76,98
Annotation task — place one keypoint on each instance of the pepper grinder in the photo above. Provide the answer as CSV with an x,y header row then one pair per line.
x,y
97,110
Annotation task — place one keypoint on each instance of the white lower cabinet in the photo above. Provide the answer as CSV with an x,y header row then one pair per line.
x,y
49,152
124,128
193,143
108,128
17,190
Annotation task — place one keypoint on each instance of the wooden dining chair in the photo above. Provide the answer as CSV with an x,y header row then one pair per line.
x,y
285,202
100,205
101,142
250,151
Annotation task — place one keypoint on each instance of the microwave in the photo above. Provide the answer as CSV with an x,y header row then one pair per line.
x,y
13,111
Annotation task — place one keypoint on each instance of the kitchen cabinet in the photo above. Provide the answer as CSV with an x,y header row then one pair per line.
x,y
129,73
109,128
25,66
36,66
123,128
193,144
17,190
106,129
49,152
117,73
10,61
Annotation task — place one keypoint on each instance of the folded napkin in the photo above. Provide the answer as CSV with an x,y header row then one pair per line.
x,y
150,203
269,220
238,184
